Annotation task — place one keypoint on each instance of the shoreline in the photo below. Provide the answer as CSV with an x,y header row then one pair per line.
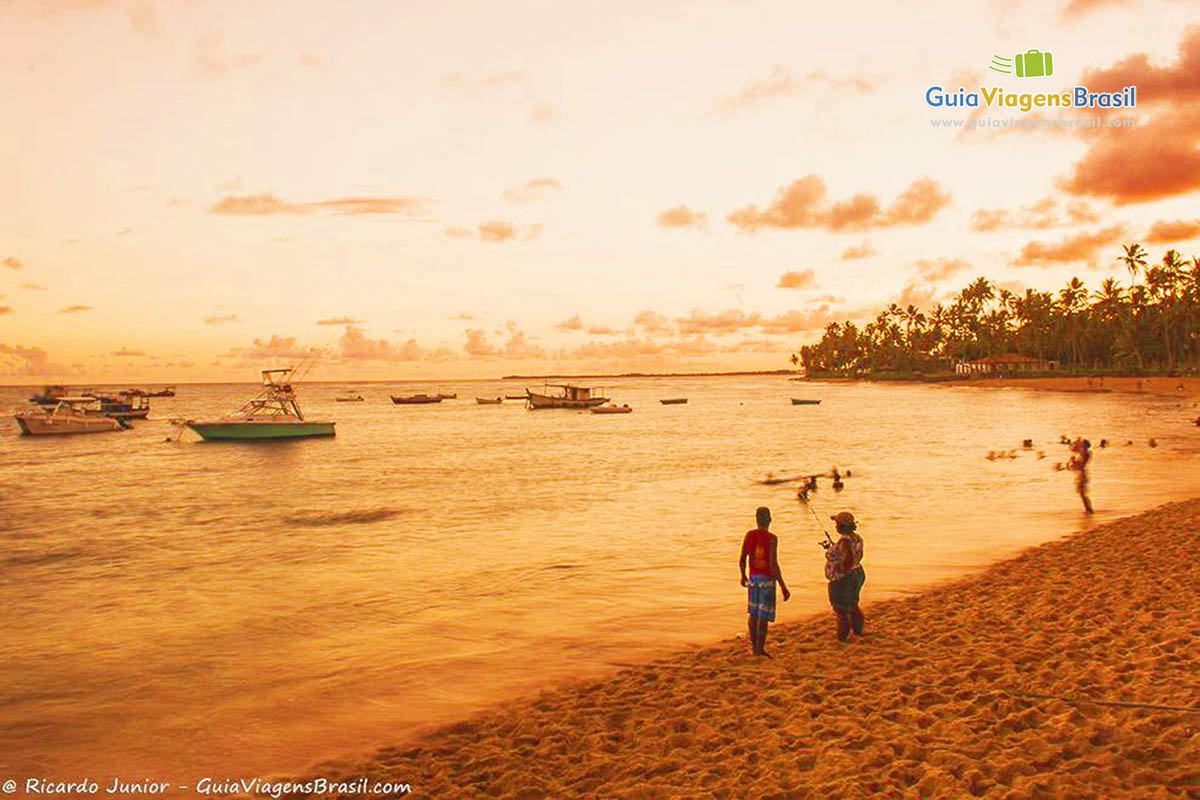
x,y
1067,669
1159,386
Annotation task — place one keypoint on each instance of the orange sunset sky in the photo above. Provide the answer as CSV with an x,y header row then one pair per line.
x,y
195,190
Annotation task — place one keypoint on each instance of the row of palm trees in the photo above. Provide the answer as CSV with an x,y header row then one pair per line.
x,y
1152,324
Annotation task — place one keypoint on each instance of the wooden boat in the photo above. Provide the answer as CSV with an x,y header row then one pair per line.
x,y
51,395
489,401
70,415
798,402
168,391
349,396
416,399
674,401
514,397
448,395
124,406
625,409
273,414
566,396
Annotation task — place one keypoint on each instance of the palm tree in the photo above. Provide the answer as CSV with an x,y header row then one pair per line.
x,y
1134,258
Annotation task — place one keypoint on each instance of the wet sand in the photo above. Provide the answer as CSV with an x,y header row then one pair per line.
x,y
1173,387
1068,671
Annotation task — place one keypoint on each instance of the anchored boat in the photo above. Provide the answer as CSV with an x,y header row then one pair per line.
x,y
416,399
349,396
799,402
124,406
674,401
625,409
69,415
566,396
273,414
489,401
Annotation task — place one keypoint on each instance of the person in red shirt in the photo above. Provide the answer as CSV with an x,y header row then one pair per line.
x,y
760,548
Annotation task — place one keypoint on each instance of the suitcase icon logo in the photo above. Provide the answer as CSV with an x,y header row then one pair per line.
x,y
1030,64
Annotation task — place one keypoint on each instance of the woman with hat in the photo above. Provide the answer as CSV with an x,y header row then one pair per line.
x,y
843,570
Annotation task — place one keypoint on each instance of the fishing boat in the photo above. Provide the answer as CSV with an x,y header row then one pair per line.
x,y
514,397
625,409
489,401
168,391
272,414
448,395
50,395
69,415
349,396
674,401
416,399
123,406
799,402
563,395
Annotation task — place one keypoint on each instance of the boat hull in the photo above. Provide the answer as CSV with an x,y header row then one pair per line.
x,y
51,425
612,410
488,401
418,400
222,431
548,401
675,401
797,402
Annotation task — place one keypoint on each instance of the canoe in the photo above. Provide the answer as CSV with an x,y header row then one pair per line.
x,y
416,399
674,401
489,401
798,402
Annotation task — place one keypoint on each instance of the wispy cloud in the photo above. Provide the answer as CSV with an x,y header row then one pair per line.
x,y
355,345
780,82
276,347
681,217
1041,215
495,231
12,262
1081,247
464,315
796,280
535,189
268,204
221,319
516,347
483,82
864,250
20,361
803,204
544,113
1179,230
33,287
340,321
210,59
932,270
125,352
74,309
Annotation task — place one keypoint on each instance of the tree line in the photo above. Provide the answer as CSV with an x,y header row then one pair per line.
x,y
1151,324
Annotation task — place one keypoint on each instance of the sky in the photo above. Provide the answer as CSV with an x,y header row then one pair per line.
x,y
196,190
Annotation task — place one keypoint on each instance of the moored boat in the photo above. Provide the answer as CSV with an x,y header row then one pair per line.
x,y
70,415
50,395
349,396
514,397
489,401
625,409
124,406
416,399
800,402
448,395
674,401
566,396
273,414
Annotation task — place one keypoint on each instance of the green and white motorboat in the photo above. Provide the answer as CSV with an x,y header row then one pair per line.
x,y
273,414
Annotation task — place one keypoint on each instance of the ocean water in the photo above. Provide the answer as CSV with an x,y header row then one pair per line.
x,y
180,609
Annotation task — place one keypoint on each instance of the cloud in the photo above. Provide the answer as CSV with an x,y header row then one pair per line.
x,y
484,82
915,294
209,58
720,324
1179,230
355,345
340,321
464,315
224,319
864,250
800,321
457,232
796,280
1156,159
12,263
19,361
572,324
932,270
781,83
517,346
268,204
125,352
74,309
277,347
535,189
5,310
544,113
33,287
1037,216
310,60
681,217
652,322
496,231
1076,8
803,204
601,330
1079,247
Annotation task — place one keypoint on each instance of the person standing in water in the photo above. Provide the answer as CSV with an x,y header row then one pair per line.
x,y
844,571
1079,462
760,548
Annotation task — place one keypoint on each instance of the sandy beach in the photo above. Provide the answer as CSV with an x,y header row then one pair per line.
x,y
1157,385
1068,671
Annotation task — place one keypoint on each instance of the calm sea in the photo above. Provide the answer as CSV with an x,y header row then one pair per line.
x,y
178,609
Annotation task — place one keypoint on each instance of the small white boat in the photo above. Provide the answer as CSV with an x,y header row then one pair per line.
x,y
489,401
70,415
349,396
625,409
